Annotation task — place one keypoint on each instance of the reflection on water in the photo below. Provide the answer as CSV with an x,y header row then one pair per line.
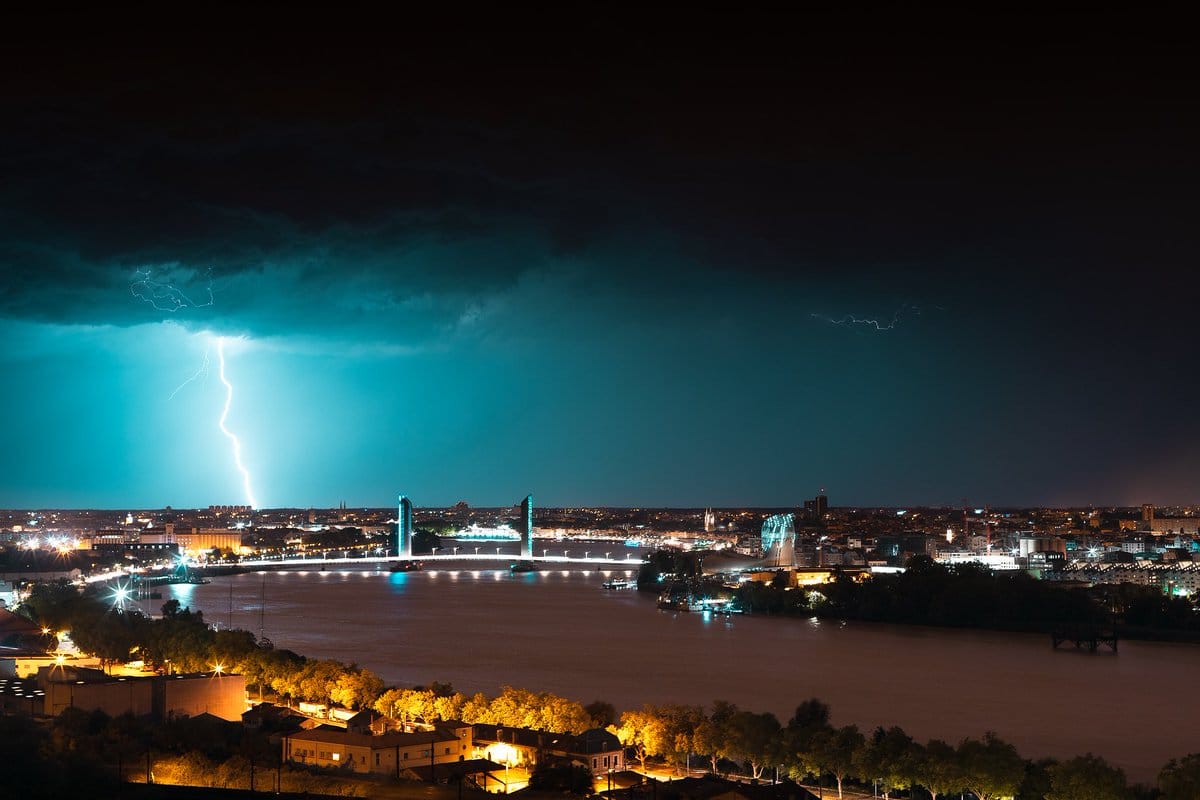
x,y
560,631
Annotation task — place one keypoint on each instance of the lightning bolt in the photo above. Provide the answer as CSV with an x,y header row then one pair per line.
x,y
237,445
868,322
197,375
165,296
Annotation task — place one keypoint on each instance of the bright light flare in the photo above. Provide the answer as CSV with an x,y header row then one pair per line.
x,y
237,445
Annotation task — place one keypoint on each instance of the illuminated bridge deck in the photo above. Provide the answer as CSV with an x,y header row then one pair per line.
x,y
473,558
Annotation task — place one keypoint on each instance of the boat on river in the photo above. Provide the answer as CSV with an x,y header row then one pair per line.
x,y
622,583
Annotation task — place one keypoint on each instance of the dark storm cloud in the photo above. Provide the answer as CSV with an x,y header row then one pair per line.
x,y
653,238
404,176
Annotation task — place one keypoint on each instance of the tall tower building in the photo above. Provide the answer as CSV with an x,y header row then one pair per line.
x,y
525,527
710,520
817,508
404,528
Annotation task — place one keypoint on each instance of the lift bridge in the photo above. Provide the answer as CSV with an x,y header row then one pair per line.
x,y
404,543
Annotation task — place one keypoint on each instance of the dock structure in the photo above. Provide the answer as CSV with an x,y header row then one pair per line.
x,y
1090,638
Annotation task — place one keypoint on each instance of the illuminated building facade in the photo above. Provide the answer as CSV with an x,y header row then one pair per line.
x,y
386,754
525,527
404,528
597,749
779,540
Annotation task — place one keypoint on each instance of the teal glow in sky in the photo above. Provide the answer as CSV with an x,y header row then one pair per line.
x,y
676,280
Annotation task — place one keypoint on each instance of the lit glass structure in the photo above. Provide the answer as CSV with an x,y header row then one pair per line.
x,y
404,528
525,527
779,540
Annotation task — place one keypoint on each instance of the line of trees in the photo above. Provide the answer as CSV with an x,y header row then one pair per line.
x,y
973,596
513,707
728,739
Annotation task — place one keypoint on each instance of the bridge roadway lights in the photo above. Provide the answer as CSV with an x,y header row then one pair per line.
x,y
497,557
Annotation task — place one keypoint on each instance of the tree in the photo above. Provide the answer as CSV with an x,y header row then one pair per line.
x,y
602,713
318,680
410,704
1180,780
1087,777
449,706
753,738
889,757
938,769
357,688
812,714
709,736
991,767
645,731
832,751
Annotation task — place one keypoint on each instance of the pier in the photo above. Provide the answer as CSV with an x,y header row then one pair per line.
x,y
1090,638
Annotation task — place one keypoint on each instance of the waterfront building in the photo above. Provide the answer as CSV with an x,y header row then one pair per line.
x,y
193,542
779,540
404,528
387,754
596,749
164,697
525,527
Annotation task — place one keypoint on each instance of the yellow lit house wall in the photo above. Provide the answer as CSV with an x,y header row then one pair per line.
x,y
368,753
222,696
114,697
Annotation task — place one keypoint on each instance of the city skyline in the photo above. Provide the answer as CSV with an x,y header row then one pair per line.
x,y
700,271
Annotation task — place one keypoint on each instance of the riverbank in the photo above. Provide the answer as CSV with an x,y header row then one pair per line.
x,y
560,631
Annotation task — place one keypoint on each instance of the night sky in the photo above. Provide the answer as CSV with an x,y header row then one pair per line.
x,y
605,265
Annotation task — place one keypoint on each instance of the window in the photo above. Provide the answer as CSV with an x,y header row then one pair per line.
x,y
447,751
594,761
377,759
337,756
406,756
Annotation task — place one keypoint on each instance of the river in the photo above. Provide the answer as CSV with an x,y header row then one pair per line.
x,y
560,631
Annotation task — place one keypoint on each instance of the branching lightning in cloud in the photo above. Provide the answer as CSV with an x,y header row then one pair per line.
x,y
164,295
872,323
237,445
199,374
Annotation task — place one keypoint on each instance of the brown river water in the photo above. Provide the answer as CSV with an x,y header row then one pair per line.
x,y
481,628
